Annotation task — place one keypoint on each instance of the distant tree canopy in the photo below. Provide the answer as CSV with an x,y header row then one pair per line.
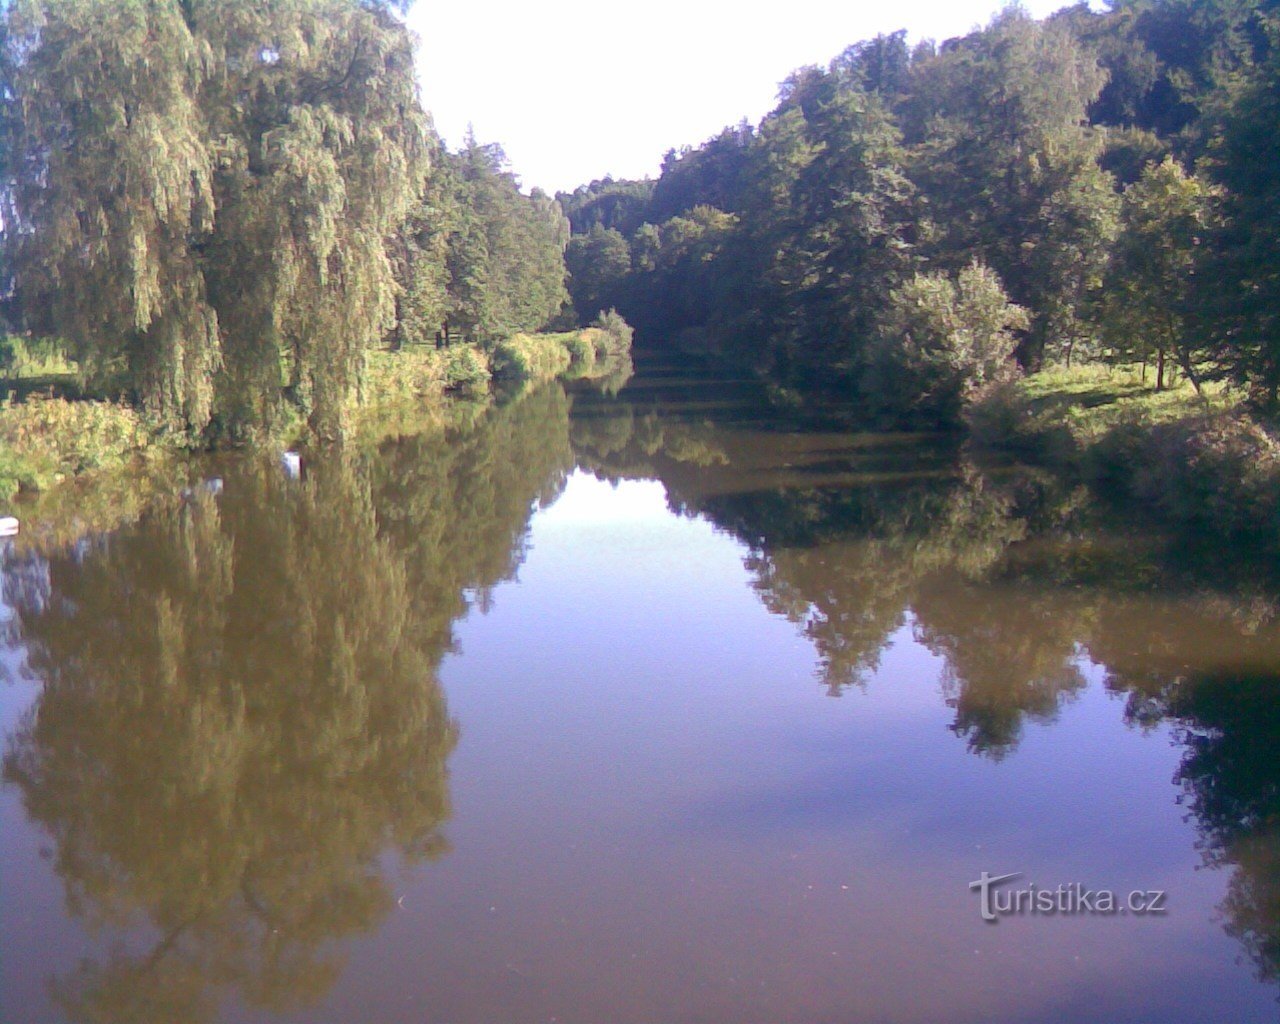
x,y
221,206
782,245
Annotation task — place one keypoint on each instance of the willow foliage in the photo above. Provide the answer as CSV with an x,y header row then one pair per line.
x,y
197,194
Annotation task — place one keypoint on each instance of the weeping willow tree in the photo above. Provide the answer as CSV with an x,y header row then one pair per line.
x,y
324,148
198,193
110,192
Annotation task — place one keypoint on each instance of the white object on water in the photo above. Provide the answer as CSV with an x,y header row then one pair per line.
x,y
292,464
8,526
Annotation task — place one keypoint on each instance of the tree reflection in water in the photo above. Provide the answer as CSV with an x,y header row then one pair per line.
x,y
240,711
1014,579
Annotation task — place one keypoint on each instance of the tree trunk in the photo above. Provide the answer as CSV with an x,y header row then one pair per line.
x,y
1160,370
1184,360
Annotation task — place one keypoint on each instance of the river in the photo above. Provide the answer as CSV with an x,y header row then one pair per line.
x,y
663,705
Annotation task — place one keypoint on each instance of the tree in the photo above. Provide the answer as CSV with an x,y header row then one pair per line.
x,y
1008,164
1247,262
109,181
198,195
505,254
1150,293
598,263
322,151
939,339
420,253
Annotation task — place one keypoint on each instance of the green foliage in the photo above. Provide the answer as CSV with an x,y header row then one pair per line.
x,y
611,334
1167,216
1193,457
607,204
778,246
1220,473
44,441
410,375
940,339
597,352
24,358
504,252
466,369
530,358
1245,267
596,261
215,237
1010,170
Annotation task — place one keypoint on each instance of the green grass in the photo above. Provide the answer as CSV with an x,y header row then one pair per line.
x,y
1058,413
1091,399
1198,460
33,358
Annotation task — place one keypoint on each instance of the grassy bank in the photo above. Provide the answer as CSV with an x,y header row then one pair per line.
x,y
51,437
589,353
1200,461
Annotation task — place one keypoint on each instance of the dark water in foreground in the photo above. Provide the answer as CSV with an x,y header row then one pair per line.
x,y
660,707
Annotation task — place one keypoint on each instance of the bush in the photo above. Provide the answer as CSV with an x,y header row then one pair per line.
x,y
596,352
466,369
939,341
528,358
1220,472
611,334
582,352
999,414
44,441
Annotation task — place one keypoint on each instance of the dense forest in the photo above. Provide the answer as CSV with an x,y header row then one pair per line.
x,y
912,224
218,208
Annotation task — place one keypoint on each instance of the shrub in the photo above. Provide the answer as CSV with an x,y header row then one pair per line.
x,y
44,441
527,358
939,340
466,369
611,334
999,414
582,352
1221,472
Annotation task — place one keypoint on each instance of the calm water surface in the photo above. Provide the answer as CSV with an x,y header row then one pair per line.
x,y
658,706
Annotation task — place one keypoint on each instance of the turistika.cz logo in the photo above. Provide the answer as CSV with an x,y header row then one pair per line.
x,y
997,900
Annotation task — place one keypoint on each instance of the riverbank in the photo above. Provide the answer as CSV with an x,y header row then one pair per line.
x,y
1198,461
52,439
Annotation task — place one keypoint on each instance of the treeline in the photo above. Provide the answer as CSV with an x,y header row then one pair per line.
x,y
911,223
220,207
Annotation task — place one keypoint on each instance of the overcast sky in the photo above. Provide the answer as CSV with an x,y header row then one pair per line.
x,y
575,90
